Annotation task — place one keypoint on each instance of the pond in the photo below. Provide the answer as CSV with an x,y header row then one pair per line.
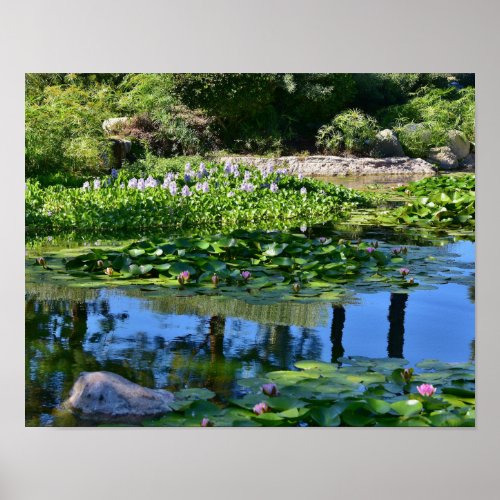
x,y
178,342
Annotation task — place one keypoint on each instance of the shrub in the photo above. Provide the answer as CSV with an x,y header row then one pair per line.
x,y
351,131
63,129
440,109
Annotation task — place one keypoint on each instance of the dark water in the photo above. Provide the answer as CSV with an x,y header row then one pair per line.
x,y
177,342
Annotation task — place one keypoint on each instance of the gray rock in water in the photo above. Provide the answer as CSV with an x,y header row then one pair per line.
x,y
387,145
458,143
444,157
106,396
469,162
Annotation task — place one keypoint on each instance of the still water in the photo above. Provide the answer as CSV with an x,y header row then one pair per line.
x,y
196,342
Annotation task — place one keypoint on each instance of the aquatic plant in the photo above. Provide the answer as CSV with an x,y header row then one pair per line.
x,y
357,391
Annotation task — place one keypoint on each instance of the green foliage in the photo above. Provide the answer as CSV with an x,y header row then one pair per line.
x,y
63,129
445,201
436,111
357,392
226,204
155,166
351,131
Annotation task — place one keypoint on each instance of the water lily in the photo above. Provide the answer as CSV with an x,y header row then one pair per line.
x,y
404,271
296,287
109,271
261,408
270,389
370,249
100,263
184,276
426,390
246,275
396,251
322,240
205,422
411,281
303,228
215,279
303,191
406,374
41,261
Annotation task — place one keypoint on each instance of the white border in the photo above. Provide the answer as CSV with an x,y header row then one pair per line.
x,y
274,36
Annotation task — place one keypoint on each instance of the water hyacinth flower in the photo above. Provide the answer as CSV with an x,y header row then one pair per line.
x,y
215,279
151,182
202,170
114,173
122,185
322,240
172,187
109,271
187,177
426,390
132,183
230,194
169,177
273,187
303,228
187,167
404,271
205,187
261,408
248,187
205,422
303,191
228,168
300,176
97,183
270,389
370,249
246,275
247,175
186,191
141,184
86,185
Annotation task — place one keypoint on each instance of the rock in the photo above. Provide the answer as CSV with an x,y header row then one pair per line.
x,y
106,396
469,162
114,125
458,143
387,145
444,157
337,165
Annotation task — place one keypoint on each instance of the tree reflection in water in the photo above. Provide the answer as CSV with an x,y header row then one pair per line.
x,y
396,317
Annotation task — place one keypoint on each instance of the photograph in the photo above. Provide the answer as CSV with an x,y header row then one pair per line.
x,y
249,250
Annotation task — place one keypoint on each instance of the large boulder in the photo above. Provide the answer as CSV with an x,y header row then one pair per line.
x,y
469,162
387,145
444,157
113,126
106,396
458,143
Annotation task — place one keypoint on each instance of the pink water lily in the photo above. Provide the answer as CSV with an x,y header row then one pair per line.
x,y
246,275
270,389
185,275
370,249
109,271
215,279
404,271
261,408
205,422
426,390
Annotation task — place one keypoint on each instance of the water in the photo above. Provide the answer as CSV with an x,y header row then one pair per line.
x,y
177,342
